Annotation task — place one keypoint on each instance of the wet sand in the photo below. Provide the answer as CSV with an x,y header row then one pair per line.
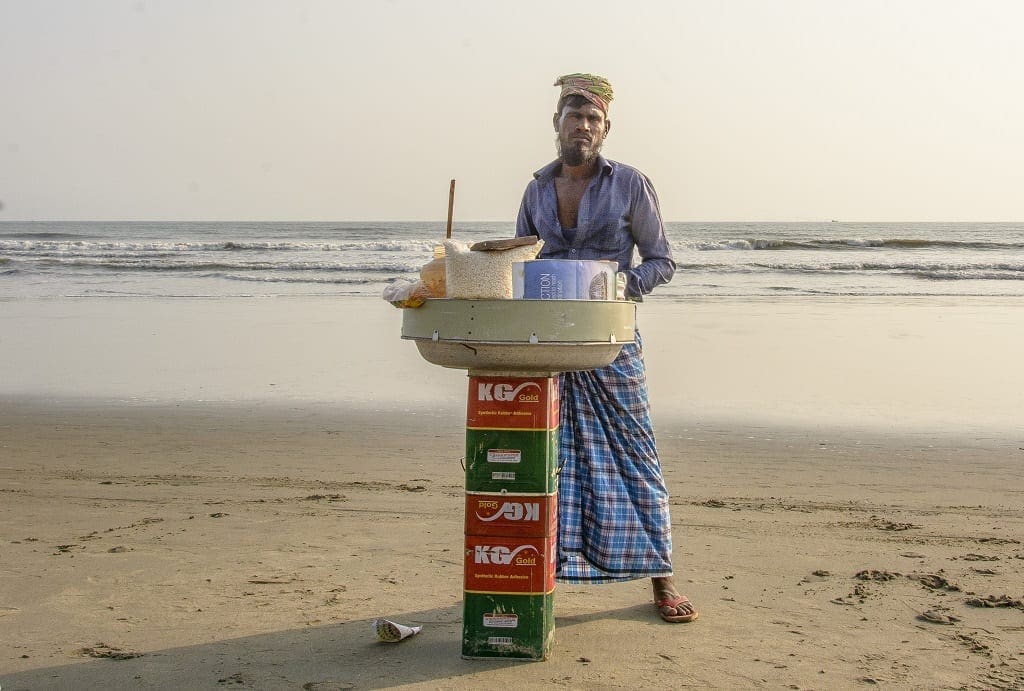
x,y
155,535
888,364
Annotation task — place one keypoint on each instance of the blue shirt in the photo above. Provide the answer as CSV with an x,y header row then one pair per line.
x,y
618,213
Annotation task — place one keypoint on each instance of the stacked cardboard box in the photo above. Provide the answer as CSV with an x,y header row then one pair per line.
x,y
511,517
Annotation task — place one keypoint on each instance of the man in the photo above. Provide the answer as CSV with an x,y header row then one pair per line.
x,y
614,522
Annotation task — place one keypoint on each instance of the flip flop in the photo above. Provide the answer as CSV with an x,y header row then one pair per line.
x,y
672,603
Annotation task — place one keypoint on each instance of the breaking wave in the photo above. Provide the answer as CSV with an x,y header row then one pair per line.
x,y
767,244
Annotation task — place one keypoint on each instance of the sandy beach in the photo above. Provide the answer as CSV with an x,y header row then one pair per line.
x,y
226,494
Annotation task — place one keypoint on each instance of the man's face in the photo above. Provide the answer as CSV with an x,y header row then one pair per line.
x,y
581,132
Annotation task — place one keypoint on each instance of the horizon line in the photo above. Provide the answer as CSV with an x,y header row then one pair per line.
x,y
443,222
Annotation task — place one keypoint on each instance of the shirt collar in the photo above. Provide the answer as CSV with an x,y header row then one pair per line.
x,y
549,171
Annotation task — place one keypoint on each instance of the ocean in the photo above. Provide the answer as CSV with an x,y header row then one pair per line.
x,y
245,259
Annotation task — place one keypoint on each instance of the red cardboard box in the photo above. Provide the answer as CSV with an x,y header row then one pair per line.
x,y
496,564
526,403
513,515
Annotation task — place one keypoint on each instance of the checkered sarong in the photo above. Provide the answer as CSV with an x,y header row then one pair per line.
x,y
613,513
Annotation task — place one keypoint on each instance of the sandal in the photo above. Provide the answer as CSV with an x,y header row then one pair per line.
x,y
673,603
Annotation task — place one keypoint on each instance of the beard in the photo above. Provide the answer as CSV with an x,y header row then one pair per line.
x,y
574,153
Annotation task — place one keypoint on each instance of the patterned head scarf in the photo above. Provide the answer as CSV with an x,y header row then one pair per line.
x,y
595,89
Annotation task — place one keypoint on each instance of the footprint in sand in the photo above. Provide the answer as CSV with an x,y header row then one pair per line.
x,y
993,601
875,575
933,581
933,617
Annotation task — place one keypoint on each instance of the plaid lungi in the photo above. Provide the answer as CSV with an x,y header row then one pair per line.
x,y
613,515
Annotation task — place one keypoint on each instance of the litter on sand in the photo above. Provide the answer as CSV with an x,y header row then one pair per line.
x,y
390,632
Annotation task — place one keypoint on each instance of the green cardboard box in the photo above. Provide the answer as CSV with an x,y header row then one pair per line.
x,y
507,626
514,461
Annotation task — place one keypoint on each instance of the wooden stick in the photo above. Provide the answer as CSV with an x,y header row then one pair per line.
x,y
451,206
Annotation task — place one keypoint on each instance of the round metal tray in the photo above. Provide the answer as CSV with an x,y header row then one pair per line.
x,y
536,336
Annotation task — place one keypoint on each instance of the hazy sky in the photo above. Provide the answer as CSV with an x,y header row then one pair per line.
x,y
882,110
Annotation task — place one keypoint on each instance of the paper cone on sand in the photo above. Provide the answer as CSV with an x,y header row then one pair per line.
x,y
390,632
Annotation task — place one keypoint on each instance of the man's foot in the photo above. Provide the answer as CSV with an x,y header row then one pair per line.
x,y
672,607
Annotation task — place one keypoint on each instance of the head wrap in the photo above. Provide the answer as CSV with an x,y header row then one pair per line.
x,y
595,89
